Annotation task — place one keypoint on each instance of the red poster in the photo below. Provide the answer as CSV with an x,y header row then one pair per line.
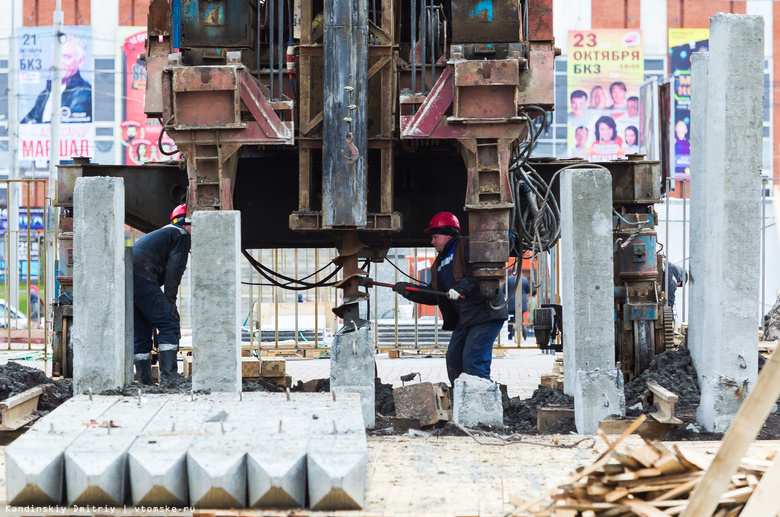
x,y
140,135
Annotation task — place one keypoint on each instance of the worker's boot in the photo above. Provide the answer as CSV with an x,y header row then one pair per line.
x,y
143,368
169,367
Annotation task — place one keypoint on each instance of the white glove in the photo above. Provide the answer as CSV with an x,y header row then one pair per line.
x,y
452,294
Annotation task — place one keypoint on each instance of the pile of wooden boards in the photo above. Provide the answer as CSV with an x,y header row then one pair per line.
x,y
554,379
652,480
267,369
656,481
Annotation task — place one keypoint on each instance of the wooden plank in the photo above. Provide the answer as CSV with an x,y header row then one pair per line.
x,y
18,410
250,367
272,367
680,490
764,501
642,509
748,422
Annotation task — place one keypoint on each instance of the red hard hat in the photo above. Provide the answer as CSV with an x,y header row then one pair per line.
x,y
443,219
179,212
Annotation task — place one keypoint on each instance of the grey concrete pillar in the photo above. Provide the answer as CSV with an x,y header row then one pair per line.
x,y
587,283
699,258
728,218
129,314
352,368
99,341
216,301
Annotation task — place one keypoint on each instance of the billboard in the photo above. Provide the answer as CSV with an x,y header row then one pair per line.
x,y
605,68
682,43
140,137
77,132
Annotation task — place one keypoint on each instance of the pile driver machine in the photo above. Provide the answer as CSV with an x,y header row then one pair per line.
x,y
350,122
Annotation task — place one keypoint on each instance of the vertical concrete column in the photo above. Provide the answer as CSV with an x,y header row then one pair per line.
x,y
352,368
129,324
700,258
99,341
587,284
728,218
216,301
588,297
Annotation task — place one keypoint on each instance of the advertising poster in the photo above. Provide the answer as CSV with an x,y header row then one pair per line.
x,y
648,117
683,43
77,136
605,68
140,137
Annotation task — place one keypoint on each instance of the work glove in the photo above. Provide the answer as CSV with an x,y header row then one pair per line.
x,y
174,312
453,295
400,287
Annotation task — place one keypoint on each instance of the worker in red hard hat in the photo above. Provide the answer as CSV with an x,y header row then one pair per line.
x,y
159,260
474,323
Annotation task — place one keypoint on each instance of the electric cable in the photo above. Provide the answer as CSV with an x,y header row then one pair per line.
x,y
266,272
159,138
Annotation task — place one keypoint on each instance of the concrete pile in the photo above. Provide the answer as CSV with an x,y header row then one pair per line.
x,y
260,450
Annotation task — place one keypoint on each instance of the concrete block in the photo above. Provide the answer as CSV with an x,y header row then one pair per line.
x,y
99,339
723,334
352,369
96,462
35,468
276,473
476,401
216,304
597,395
587,286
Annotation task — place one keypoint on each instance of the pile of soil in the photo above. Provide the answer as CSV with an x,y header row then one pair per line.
x,y
520,415
674,371
16,378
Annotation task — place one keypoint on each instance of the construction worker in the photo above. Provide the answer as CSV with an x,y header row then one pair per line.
x,y
159,260
475,324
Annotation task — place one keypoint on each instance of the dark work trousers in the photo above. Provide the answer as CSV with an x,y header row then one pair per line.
x,y
152,310
471,349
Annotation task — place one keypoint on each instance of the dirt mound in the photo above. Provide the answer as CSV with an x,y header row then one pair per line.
x,y
16,378
674,371
520,415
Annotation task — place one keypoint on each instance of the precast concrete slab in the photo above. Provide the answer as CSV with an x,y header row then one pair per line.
x,y
157,461
96,461
34,461
352,368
